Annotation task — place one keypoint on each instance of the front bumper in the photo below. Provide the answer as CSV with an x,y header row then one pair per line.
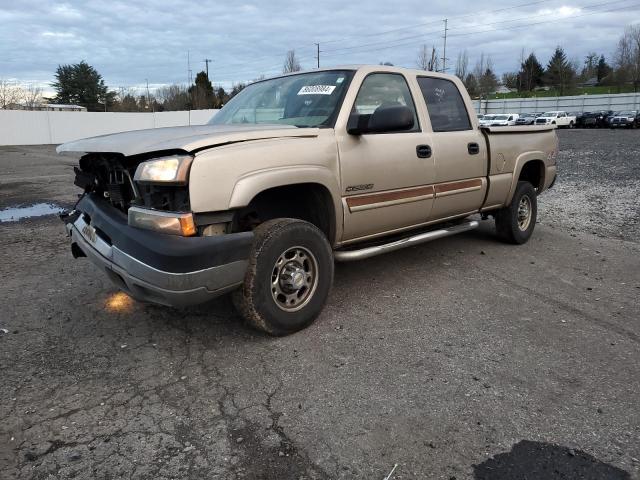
x,y
155,267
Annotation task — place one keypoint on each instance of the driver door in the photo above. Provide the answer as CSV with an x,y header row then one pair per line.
x,y
387,177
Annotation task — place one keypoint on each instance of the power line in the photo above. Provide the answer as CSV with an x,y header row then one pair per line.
x,y
386,45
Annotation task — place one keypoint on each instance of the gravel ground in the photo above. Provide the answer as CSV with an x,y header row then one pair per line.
x,y
462,358
598,186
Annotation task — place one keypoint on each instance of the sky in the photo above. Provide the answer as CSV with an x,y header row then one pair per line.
x,y
132,42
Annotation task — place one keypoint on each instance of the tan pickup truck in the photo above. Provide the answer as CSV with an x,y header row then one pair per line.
x,y
294,173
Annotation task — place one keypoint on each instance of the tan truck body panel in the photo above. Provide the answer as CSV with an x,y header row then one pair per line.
x,y
408,192
235,163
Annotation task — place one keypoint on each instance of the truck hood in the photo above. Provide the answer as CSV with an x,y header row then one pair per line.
x,y
181,138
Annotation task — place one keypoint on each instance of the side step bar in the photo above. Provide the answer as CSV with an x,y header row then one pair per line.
x,y
351,255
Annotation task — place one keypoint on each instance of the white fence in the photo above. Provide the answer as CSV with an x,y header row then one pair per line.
x,y
20,127
577,103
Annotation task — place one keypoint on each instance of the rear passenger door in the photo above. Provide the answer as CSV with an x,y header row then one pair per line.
x,y
459,150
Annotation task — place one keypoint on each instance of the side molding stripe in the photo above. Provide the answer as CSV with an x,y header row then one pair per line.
x,y
370,201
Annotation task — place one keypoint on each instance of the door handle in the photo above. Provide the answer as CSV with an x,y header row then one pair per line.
x,y
423,151
473,148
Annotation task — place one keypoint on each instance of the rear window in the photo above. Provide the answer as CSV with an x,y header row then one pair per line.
x,y
447,110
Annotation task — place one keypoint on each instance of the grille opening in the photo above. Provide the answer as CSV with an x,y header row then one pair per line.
x,y
111,177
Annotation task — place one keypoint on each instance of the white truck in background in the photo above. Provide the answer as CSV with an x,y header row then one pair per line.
x,y
559,118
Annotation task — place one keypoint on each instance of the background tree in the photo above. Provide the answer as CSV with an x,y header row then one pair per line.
x,y
236,89
32,96
603,70
80,84
510,80
291,63
471,84
590,67
462,65
627,58
10,93
201,92
427,59
531,73
487,81
560,72
221,97
174,98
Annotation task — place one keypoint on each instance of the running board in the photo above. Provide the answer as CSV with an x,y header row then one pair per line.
x,y
351,255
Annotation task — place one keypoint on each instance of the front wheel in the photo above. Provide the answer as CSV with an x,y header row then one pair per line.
x,y
288,279
515,223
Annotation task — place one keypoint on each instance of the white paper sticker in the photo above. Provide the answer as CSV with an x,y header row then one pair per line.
x,y
317,90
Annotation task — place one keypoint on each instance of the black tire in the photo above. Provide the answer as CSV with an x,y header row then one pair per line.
x,y
263,300
508,221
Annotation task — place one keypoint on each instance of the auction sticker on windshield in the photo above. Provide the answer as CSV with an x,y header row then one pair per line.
x,y
317,90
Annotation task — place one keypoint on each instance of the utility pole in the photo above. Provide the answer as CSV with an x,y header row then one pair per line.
x,y
189,76
318,53
444,49
206,61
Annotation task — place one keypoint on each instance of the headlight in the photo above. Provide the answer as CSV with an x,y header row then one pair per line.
x,y
173,170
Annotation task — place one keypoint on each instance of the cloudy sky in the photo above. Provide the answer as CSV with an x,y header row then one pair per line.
x,y
131,41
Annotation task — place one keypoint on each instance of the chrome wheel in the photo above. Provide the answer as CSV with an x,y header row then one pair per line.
x,y
294,279
524,213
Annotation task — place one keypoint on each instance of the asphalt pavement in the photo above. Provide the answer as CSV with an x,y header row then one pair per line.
x,y
464,358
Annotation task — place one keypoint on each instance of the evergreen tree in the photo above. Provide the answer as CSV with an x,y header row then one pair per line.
x,y
80,84
603,69
531,73
201,92
560,73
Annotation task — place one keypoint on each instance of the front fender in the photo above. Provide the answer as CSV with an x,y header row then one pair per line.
x,y
253,183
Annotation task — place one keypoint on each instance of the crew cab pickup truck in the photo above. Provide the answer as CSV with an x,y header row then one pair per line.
x,y
559,119
296,172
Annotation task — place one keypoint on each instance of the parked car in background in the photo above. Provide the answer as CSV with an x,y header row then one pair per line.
x,y
526,119
625,119
593,119
485,120
506,120
559,118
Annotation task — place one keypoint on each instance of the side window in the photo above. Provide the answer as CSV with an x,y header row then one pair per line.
x,y
447,110
384,90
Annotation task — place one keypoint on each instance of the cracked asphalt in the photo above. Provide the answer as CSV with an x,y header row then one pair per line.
x,y
460,359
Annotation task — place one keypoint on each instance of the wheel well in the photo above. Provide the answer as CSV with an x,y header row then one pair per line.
x,y
311,202
533,172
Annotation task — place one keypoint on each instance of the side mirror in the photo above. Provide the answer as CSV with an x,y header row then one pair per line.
x,y
393,118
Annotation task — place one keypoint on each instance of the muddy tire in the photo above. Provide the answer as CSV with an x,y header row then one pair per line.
x,y
289,277
515,223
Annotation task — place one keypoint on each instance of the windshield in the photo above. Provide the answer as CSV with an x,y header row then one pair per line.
x,y
304,100
489,117
626,114
501,117
549,114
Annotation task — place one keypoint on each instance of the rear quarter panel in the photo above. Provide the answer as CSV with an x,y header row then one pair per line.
x,y
509,150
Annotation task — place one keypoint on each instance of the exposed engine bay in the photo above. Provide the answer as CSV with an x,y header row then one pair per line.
x,y
111,176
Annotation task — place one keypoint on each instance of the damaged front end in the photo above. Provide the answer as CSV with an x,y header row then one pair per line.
x,y
134,221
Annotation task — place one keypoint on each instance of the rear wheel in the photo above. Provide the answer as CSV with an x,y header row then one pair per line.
x,y
288,279
515,223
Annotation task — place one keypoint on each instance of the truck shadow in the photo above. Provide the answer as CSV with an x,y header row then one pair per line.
x,y
546,461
